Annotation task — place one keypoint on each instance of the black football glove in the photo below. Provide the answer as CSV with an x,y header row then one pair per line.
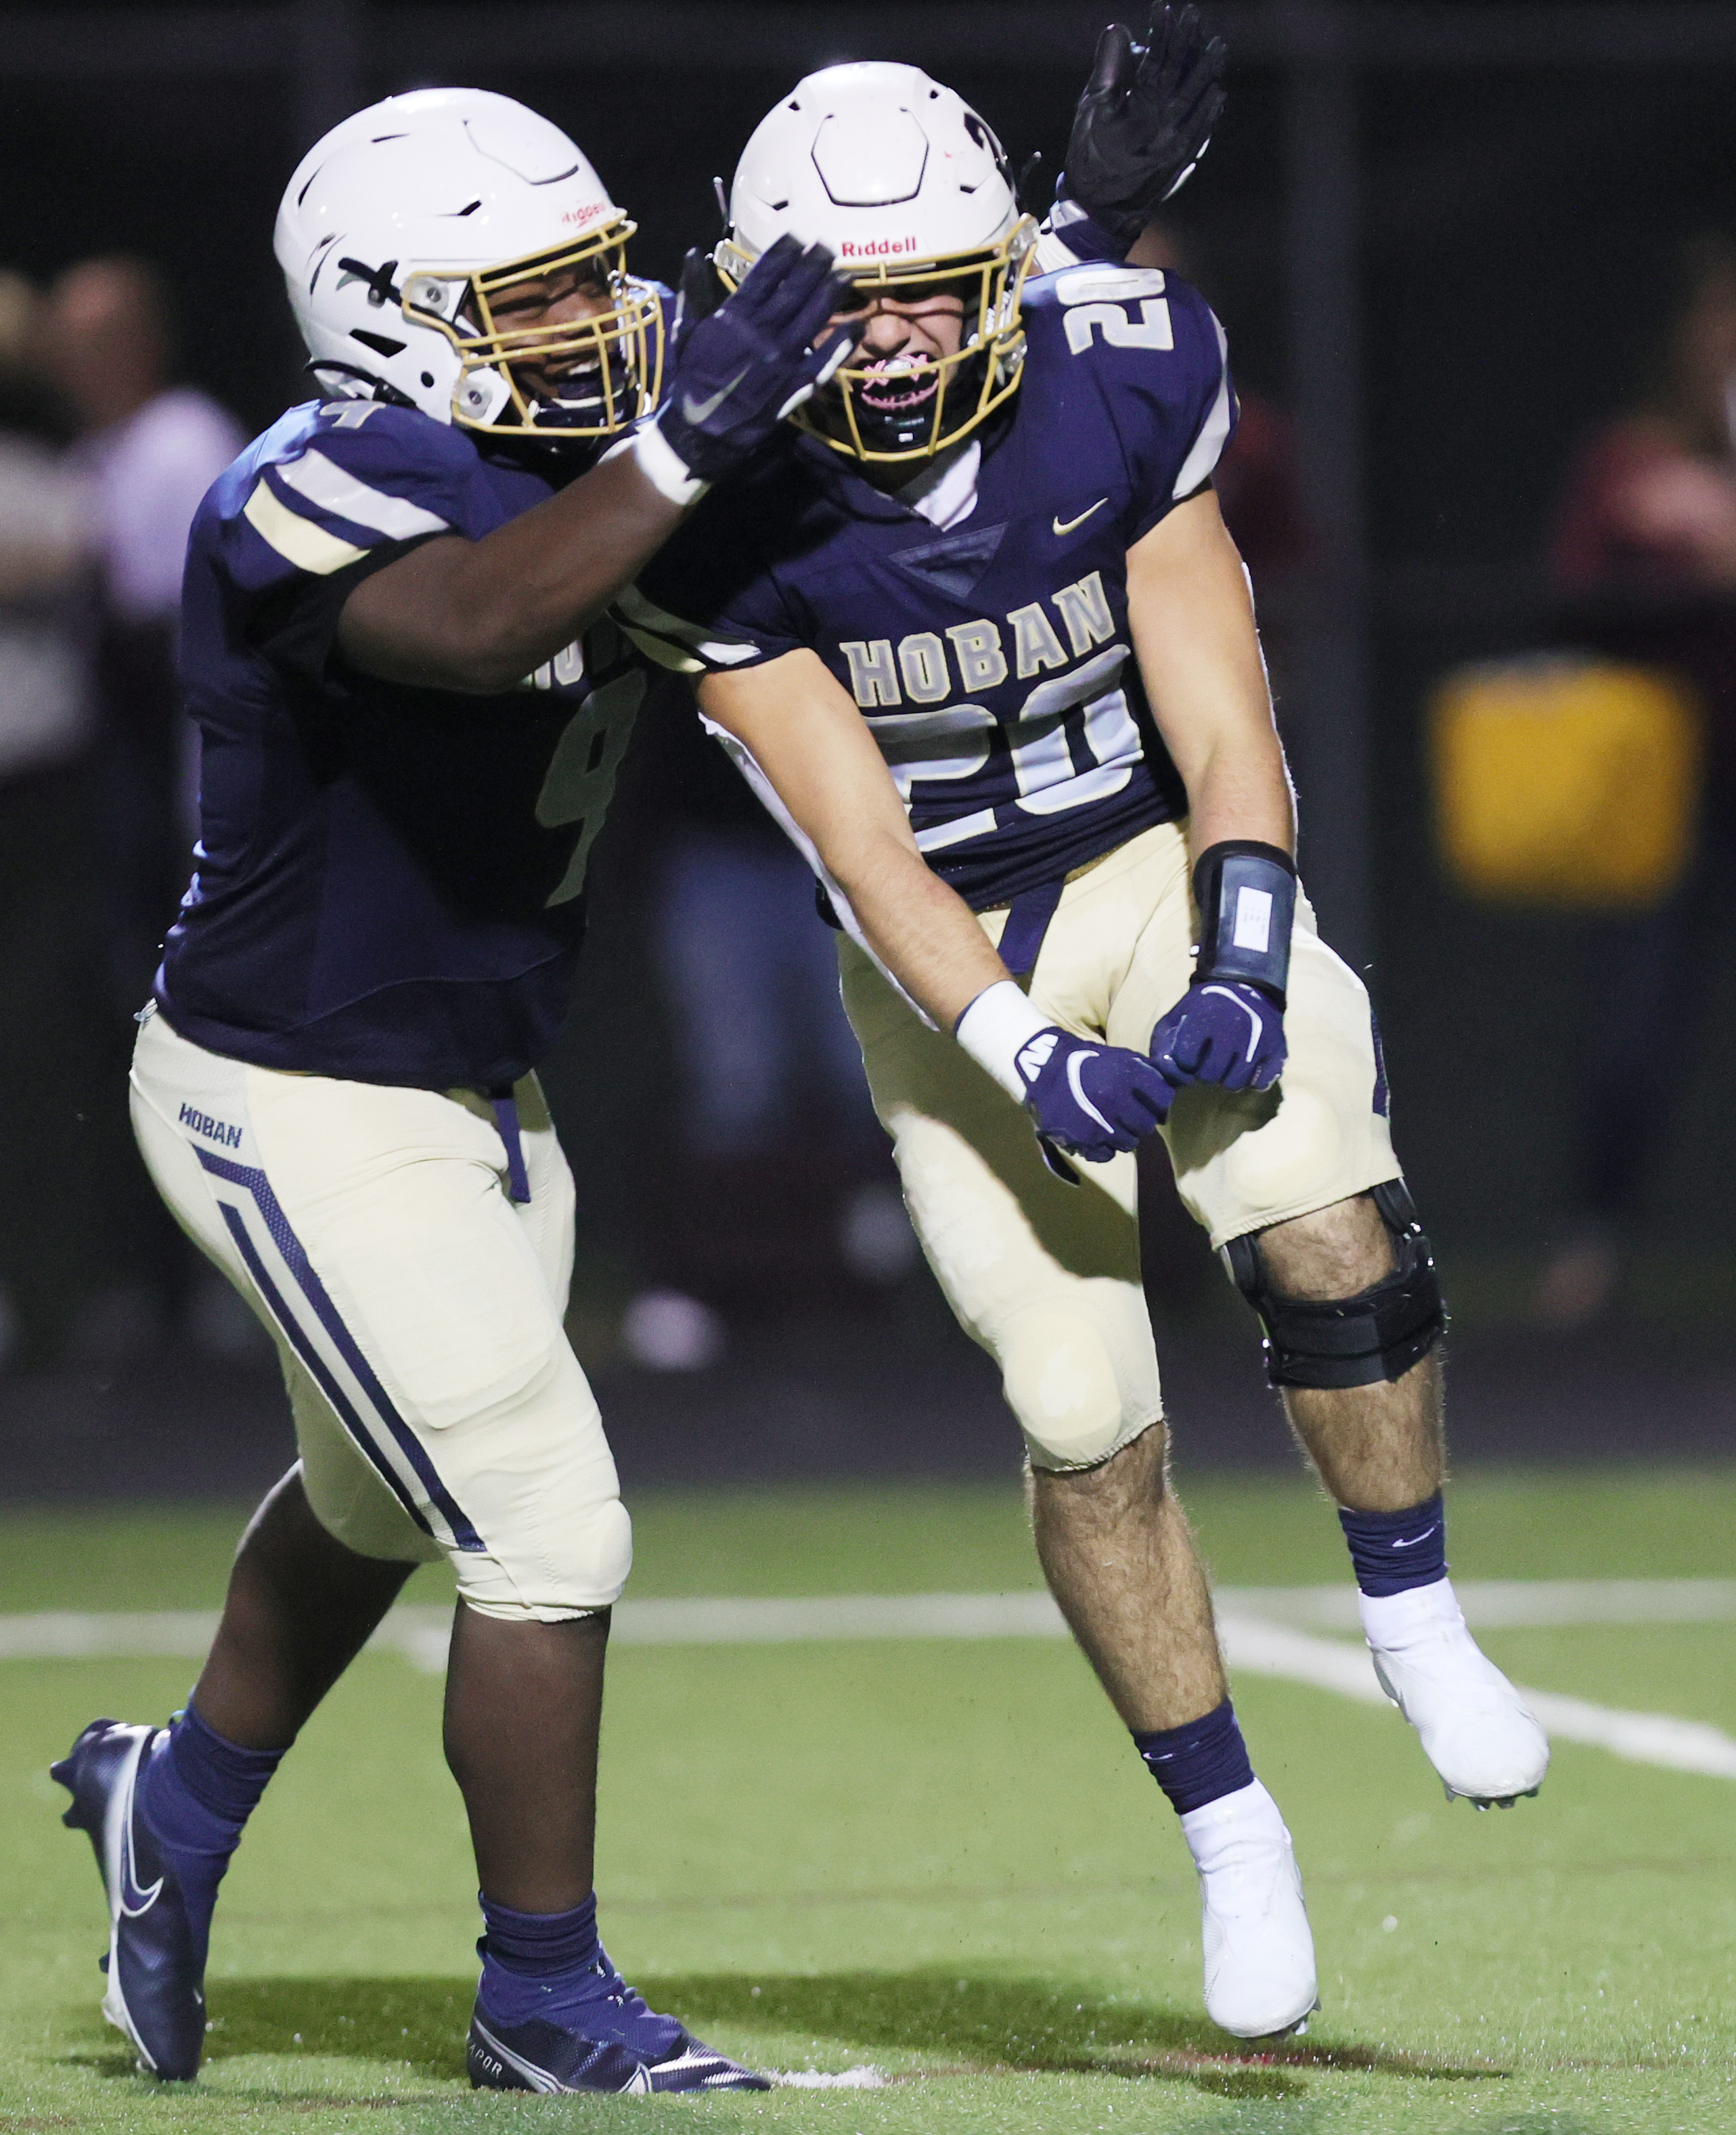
x,y
1144,119
761,353
698,294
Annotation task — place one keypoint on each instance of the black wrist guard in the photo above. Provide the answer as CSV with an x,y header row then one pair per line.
x,y
1246,895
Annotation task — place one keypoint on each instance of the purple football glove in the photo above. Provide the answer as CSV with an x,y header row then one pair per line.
x,y
1088,1098
1221,1031
744,367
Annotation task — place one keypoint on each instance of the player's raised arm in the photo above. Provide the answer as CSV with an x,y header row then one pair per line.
x,y
1143,120
477,616
811,745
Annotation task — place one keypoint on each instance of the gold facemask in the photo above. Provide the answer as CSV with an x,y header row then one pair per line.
x,y
970,385
616,354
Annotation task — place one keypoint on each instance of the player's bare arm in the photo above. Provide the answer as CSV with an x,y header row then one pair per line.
x,y
477,616
1192,622
810,741
812,745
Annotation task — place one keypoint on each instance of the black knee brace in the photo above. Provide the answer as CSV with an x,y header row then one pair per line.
x,y
1354,1341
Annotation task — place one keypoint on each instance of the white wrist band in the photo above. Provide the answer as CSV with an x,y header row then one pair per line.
x,y
664,468
993,1028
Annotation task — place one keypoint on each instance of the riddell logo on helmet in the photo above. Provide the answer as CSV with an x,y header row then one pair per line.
x,y
588,213
876,248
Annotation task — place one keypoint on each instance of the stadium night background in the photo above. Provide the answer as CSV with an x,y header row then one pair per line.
x,y
865,1820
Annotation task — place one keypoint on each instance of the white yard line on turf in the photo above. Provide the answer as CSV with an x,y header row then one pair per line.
x,y
1510,1603
167,1635
1490,1605
1256,1624
1643,1738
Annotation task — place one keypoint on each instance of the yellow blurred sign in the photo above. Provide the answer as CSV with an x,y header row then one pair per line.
x,y
1566,781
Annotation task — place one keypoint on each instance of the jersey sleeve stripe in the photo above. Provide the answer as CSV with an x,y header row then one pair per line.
x,y
1053,254
334,489
637,614
666,654
1214,431
308,547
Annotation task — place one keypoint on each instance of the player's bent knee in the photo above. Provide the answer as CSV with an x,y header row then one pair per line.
x,y
576,1570
1378,1333
1060,1381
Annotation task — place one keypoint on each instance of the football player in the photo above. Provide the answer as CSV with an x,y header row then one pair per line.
x,y
412,714
978,635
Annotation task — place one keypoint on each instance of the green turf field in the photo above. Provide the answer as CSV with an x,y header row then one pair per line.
x,y
937,1859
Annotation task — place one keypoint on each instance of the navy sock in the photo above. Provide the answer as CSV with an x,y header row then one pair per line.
x,y
195,1791
551,1969
1394,1551
540,1943
1199,1763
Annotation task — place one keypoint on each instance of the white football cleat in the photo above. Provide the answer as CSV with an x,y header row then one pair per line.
x,y
1476,1729
1260,1953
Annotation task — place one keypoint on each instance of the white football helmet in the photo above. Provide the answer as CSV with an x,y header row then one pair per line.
x,y
401,225
910,190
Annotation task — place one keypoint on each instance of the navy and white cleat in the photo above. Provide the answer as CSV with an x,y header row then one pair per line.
x,y
1475,1730
156,1961
603,2038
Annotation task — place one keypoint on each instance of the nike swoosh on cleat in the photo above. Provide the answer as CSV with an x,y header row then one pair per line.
x,y
702,411
129,1883
1071,523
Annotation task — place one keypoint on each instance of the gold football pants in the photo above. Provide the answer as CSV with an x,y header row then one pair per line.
x,y
1046,1275
416,1311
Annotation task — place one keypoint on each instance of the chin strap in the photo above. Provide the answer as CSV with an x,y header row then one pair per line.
x,y
379,387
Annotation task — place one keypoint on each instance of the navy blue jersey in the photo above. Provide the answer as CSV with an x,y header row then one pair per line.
x,y
388,883
994,660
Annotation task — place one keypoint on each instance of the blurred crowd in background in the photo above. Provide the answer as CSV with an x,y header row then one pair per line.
x,y
105,456
777,1196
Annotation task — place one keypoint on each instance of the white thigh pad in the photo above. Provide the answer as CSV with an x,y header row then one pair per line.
x,y
1079,1371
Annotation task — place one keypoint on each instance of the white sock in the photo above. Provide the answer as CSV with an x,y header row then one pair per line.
x,y
1391,1620
1215,1832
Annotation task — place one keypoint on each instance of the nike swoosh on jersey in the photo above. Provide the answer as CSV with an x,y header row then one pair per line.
x,y
702,411
1067,528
